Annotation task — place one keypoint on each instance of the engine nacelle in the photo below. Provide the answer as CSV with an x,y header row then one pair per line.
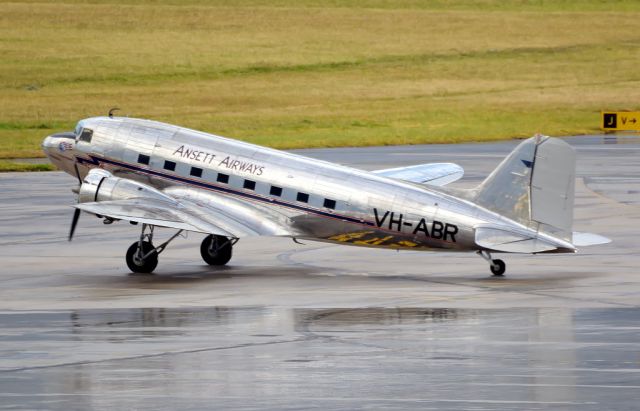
x,y
101,185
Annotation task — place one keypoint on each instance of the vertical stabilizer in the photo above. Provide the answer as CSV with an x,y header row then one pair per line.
x,y
534,186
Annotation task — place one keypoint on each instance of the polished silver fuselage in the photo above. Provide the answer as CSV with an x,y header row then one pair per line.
x,y
364,209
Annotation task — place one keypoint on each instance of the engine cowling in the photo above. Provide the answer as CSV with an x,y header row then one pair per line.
x,y
100,185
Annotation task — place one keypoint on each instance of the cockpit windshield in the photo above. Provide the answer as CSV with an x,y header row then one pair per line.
x,y
78,129
86,135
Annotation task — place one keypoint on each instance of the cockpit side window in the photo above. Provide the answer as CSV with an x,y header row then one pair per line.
x,y
86,135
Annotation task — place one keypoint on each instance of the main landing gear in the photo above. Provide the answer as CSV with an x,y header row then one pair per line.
x,y
142,256
498,267
216,249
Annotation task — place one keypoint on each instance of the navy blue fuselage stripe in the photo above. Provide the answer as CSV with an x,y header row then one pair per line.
x,y
96,161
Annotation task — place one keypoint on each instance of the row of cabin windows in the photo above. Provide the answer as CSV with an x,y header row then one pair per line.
x,y
248,184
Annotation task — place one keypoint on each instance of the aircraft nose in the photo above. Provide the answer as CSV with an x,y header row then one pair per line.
x,y
60,148
58,143
48,143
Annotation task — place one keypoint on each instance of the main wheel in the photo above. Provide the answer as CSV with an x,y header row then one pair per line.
x,y
138,265
498,267
216,250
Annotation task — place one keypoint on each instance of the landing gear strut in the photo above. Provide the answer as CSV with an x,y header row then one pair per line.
x,y
498,267
217,249
142,256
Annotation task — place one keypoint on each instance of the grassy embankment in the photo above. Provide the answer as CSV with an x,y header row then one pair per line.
x,y
292,74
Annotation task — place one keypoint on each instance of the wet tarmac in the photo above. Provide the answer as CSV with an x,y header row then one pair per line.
x,y
289,326
302,358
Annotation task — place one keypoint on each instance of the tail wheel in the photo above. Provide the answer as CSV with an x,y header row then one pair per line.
x,y
498,267
216,249
142,261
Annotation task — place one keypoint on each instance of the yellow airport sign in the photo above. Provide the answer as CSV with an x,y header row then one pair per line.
x,y
621,120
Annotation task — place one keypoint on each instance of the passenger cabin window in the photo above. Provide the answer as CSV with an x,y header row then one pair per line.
x,y
303,197
196,172
169,165
330,203
86,135
223,178
249,185
275,191
143,159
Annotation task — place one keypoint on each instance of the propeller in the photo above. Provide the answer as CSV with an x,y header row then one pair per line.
x,y
75,166
76,211
74,222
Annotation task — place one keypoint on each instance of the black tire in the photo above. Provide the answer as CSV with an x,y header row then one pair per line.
x,y
148,265
216,250
498,267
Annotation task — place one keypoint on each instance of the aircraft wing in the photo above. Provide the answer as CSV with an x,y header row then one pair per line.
x,y
435,174
193,211
239,217
153,212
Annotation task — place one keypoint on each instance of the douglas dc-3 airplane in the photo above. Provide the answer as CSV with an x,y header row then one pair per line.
x,y
160,175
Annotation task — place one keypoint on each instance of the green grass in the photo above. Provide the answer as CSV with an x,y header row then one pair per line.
x,y
17,166
307,73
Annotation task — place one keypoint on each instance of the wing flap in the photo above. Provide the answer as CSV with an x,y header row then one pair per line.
x,y
435,174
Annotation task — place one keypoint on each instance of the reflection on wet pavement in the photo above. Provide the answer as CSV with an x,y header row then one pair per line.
x,y
257,357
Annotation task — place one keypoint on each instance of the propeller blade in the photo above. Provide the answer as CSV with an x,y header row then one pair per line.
x,y
74,222
75,165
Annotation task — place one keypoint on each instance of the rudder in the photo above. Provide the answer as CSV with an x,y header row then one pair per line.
x,y
534,186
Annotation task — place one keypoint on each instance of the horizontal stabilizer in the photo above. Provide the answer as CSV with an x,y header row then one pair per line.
x,y
587,239
434,174
507,241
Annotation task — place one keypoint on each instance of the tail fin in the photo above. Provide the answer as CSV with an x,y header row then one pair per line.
x,y
535,186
